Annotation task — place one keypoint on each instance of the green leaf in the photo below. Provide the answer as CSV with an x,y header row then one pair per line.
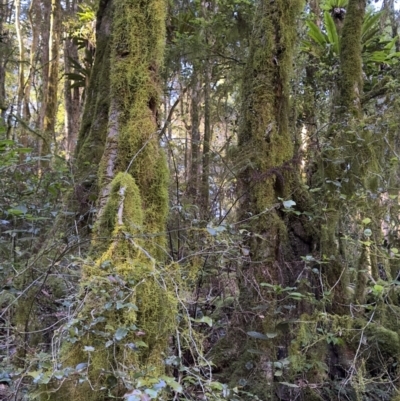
x,y
256,334
24,150
316,35
331,31
296,295
217,386
35,373
204,319
367,232
81,366
288,204
88,348
255,351
6,142
121,333
370,21
152,393
289,384
212,231
367,220
394,250
175,386
18,211
58,374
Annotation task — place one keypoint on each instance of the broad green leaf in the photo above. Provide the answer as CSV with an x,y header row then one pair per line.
x,y
378,288
58,374
172,383
81,366
120,333
367,220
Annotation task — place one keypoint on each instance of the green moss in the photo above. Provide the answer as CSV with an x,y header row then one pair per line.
x,y
127,267
266,173
136,56
92,133
129,243
132,210
386,341
351,81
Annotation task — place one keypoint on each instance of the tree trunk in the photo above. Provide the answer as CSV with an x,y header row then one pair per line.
x,y
71,95
50,115
205,176
44,59
270,255
129,241
21,58
3,60
343,177
195,160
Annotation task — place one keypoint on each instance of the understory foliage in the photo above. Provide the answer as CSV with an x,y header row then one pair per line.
x,y
225,222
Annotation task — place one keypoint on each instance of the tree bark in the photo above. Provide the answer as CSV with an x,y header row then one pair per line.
x,y
272,245
72,98
50,115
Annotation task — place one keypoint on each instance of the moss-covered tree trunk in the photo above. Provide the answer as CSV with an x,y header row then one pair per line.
x,y
342,177
269,174
128,313
72,97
